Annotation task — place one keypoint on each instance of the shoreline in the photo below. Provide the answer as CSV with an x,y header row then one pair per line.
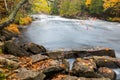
x,y
27,60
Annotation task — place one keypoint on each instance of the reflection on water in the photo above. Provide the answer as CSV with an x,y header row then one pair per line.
x,y
55,32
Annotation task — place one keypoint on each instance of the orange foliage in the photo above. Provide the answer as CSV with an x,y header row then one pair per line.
x,y
27,63
59,77
13,28
41,65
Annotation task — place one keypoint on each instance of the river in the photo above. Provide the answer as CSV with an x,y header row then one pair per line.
x,y
55,32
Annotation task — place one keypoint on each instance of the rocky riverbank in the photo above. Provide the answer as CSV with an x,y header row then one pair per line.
x,y
30,61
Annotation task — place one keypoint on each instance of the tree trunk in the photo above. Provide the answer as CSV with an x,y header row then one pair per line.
x,y
11,18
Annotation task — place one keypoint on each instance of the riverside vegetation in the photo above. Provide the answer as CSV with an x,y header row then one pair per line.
x,y
29,61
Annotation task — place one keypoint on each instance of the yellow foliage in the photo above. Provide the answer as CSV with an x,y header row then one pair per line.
x,y
110,3
25,20
13,28
88,2
41,6
116,19
3,20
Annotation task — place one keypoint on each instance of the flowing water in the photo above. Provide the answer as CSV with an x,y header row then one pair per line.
x,y
55,32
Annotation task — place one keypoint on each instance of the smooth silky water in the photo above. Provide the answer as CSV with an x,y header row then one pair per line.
x,y
55,32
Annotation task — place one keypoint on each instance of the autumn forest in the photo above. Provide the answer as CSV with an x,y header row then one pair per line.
x,y
59,39
107,9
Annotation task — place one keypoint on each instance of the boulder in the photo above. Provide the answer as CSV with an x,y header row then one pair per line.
x,y
97,51
38,57
81,53
6,63
104,61
55,66
10,57
61,66
34,48
94,79
68,77
66,64
118,62
107,73
7,35
11,47
84,68
24,74
56,54
48,66
64,77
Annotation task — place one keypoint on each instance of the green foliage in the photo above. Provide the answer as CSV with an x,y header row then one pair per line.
x,y
67,8
64,7
113,11
74,7
55,7
71,8
2,76
1,51
96,7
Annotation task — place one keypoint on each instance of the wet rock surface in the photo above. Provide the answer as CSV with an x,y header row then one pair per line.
x,y
105,61
101,51
107,72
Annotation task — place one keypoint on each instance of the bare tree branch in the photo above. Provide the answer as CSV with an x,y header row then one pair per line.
x,y
11,18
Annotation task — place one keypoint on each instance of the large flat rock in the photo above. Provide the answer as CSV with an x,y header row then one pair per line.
x,y
68,77
105,61
81,53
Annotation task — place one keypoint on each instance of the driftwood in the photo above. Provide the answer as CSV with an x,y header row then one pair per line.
x,y
11,18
